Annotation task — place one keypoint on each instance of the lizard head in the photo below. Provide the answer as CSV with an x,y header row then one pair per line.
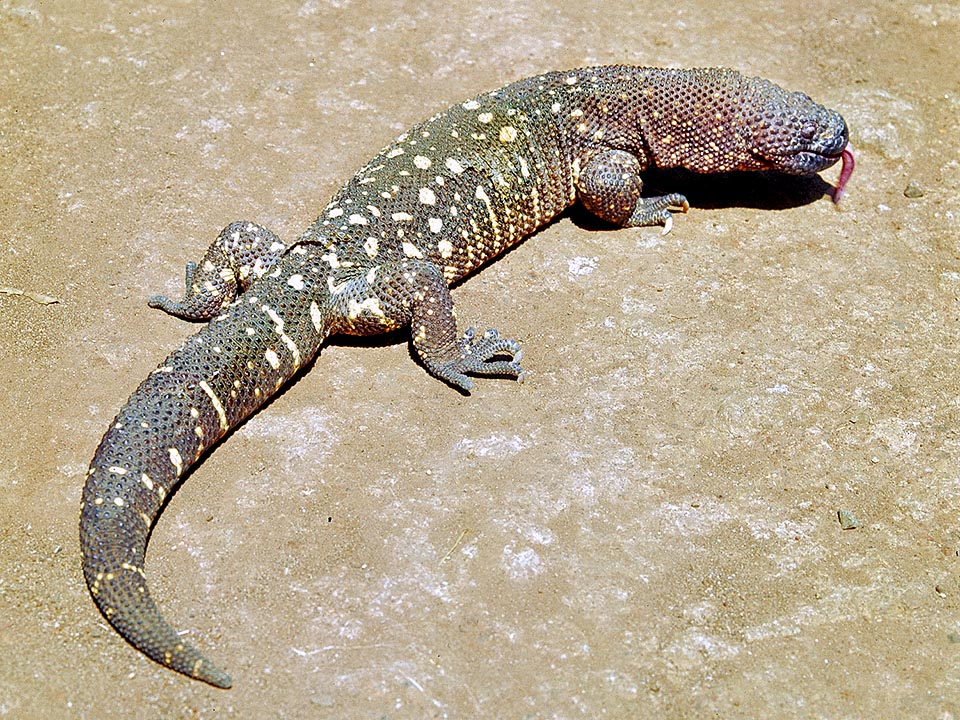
x,y
789,132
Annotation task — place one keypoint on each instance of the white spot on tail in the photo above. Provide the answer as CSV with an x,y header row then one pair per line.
x,y
217,405
176,460
272,358
316,317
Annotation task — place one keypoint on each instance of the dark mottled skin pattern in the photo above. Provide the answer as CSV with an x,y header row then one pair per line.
x,y
441,200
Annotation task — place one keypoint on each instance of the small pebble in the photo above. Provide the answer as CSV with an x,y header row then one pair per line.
x,y
847,520
913,190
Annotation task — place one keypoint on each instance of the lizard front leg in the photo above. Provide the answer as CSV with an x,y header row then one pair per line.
x,y
608,184
243,252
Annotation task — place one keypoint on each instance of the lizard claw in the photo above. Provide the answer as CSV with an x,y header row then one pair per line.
x,y
658,211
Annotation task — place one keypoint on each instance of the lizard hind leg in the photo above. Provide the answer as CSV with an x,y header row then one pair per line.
x,y
243,252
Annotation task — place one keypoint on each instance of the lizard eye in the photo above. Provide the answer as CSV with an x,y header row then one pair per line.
x,y
808,131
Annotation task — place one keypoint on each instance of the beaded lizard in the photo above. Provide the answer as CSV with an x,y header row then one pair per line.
x,y
434,205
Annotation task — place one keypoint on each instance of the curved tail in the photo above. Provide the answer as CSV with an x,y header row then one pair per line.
x,y
209,385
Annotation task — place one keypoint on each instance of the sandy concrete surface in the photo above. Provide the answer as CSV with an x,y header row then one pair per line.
x,y
647,527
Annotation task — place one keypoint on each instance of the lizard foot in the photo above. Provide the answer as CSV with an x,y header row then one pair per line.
x,y
182,308
478,356
657,211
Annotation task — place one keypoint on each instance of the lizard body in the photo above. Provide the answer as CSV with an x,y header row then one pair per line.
x,y
444,198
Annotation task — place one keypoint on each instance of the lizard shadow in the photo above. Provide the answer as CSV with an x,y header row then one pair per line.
x,y
768,190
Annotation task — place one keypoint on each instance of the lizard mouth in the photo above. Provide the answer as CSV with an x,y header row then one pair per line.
x,y
814,161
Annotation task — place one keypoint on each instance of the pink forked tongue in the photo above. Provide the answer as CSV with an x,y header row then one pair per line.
x,y
846,170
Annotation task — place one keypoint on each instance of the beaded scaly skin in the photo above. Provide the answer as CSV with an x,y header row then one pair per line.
x,y
445,197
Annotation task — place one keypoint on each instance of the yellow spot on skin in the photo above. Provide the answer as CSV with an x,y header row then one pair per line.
x,y
435,224
98,501
147,482
132,568
395,152
371,247
335,213
217,405
485,117
471,105
372,304
316,317
508,133
445,248
372,274
411,250
331,260
284,338
427,196
453,166
402,217
296,282
176,460
118,501
272,358
118,470
356,219
422,162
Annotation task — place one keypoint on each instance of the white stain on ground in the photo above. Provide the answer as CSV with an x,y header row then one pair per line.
x,y
582,265
493,446
521,564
